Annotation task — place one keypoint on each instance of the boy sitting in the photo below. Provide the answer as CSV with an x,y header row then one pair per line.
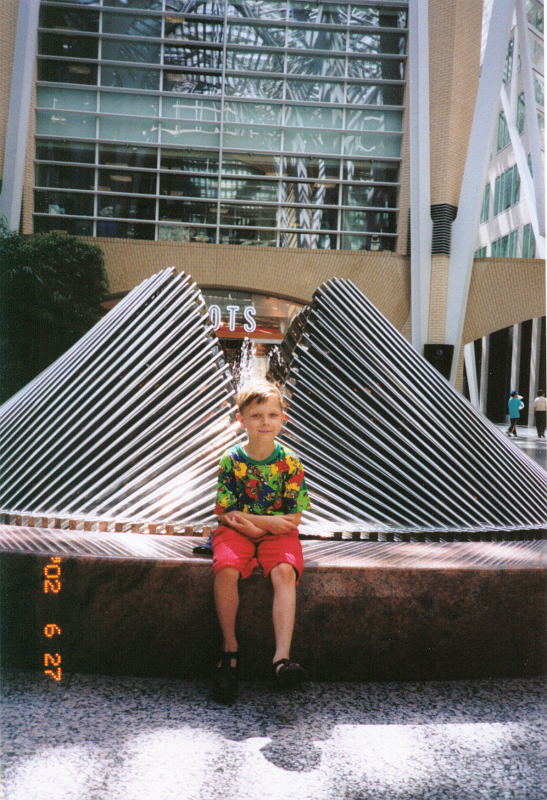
x,y
260,499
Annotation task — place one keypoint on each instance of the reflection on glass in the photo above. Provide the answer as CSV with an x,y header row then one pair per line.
x,y
123,129
190,134
64,123
194,109
130,77
253,138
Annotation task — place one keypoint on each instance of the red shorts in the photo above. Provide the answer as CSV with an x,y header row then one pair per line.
x,y
232,549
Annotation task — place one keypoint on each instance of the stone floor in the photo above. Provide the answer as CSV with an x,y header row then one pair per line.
x,y
105,738
528,441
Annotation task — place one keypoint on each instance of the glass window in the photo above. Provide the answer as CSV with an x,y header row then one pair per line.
x,y
65,150
248,188
135,45
63,71
57,203
480,253
130,77
69,177
177,160
528,242
128,129
190,211
193,109
69,19
534,10
506,190
485,209
64,123
253,113
129,181
374,120
196,126
314,116
505,246
539,91
250,164
503,132
249,137
134,105
521,113
508,70
68,44
66,98
198,56
126,155
185,185
71,225
189,134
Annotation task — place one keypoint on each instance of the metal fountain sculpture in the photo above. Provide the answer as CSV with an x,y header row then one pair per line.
x,y
129,424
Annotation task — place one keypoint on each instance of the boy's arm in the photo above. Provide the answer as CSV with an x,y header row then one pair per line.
x,y
256,525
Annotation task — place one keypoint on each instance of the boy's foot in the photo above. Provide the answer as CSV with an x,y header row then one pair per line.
x,y
226,678
289,675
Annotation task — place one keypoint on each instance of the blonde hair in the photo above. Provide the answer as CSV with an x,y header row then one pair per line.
x,y
259,391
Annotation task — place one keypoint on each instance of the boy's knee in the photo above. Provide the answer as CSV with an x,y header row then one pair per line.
x,y
283,572
227,575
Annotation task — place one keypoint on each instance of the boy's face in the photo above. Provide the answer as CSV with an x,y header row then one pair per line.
x,y
262,421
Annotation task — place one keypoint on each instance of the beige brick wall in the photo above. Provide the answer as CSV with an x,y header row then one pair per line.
x,y
289,273
454,53
8,27
503,291
437,301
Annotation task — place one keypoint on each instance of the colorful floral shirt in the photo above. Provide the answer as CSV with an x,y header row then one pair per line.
x,y
274,486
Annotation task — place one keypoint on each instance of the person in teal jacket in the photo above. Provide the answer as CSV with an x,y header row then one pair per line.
x,y
515,405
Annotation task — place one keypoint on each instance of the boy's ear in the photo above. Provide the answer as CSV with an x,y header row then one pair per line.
x,y
240,419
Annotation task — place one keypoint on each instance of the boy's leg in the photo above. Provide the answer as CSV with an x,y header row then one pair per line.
x,y
233,556
283,579
226,594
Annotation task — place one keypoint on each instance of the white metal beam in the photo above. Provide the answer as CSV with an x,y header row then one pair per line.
x,y
11,196
421,225
532,126
464,229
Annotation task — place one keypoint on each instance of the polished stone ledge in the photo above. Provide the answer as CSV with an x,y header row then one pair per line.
x,y
142,605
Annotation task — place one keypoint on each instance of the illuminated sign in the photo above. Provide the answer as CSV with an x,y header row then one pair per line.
x,y
249,313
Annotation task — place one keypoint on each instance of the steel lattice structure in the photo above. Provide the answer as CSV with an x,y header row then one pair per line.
x,y
129,424
387,442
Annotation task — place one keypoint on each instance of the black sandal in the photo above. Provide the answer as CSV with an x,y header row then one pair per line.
x,y
226,679
289,675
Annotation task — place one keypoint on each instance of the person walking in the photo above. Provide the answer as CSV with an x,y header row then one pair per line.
x,y
515,406
540,409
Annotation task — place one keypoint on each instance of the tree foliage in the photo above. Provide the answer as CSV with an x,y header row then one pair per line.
x,y
51,289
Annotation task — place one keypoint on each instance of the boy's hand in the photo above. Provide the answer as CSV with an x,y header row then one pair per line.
x,y
278,524
243,525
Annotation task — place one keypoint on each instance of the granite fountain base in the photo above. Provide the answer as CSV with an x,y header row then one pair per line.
x,y
130,604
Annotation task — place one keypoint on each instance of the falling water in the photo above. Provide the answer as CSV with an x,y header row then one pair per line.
x,y
276,363
244,372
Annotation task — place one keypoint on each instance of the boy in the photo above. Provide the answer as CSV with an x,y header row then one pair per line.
x,y
260,499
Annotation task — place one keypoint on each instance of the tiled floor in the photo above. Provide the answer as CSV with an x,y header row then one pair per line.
x,y
105,738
